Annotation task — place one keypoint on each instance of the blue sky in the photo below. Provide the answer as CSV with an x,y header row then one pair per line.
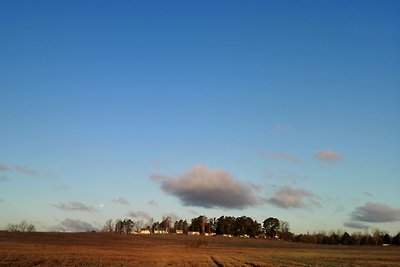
x,y
146,109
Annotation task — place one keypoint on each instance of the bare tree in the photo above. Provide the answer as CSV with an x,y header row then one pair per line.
x,y
284,229
108,226
166,223
13,228
21,227
119,226
149,223
31,228
138,225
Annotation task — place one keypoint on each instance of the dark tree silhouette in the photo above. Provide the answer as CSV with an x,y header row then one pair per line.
x,y
271,226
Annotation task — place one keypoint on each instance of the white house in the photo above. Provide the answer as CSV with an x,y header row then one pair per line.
x,y
144,232
193,233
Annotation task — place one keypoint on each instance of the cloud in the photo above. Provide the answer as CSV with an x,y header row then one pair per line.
x,y
4,179
287,197
121,201
208,188
50,175
74,206
375,213
152,203
139,214
368,194
71,225
3,168
327,156
281,156
356,225
1,200
25,170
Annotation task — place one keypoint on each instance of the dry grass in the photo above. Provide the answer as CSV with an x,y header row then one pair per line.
x,y
102,249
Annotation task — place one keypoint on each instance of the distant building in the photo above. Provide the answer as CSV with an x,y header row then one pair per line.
x,y
193,233
144,232
210,234
160,232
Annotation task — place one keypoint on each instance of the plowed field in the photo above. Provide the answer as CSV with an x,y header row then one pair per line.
x,y
103,249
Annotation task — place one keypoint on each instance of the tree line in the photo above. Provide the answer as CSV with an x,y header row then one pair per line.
x,y
225,225
21,227
244,226
378,237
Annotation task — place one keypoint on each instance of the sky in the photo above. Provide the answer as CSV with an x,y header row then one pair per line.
x,y
147,109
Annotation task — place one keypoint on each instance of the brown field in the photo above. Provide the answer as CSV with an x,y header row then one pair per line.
x,y
103,249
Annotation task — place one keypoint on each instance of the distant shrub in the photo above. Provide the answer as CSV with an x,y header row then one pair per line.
x,y
21,227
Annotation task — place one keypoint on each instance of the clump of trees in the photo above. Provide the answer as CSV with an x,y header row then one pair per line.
x,y
339,238
240,226
224,225
274,228
21,227
126,226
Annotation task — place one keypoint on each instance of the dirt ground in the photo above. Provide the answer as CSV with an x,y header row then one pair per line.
x,y
108,249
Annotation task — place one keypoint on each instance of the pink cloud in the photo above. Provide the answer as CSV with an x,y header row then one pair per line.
x,y
327,156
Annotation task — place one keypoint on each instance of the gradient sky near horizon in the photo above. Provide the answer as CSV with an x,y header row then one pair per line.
x,y
140,109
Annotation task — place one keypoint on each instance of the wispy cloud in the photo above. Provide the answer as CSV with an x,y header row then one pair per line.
x,y
139,214
287,197
3,167
208,188
376,213
73,225
25,170
74,206
368,194
356,225
4,178
121,201
327,156
280,156
153,203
